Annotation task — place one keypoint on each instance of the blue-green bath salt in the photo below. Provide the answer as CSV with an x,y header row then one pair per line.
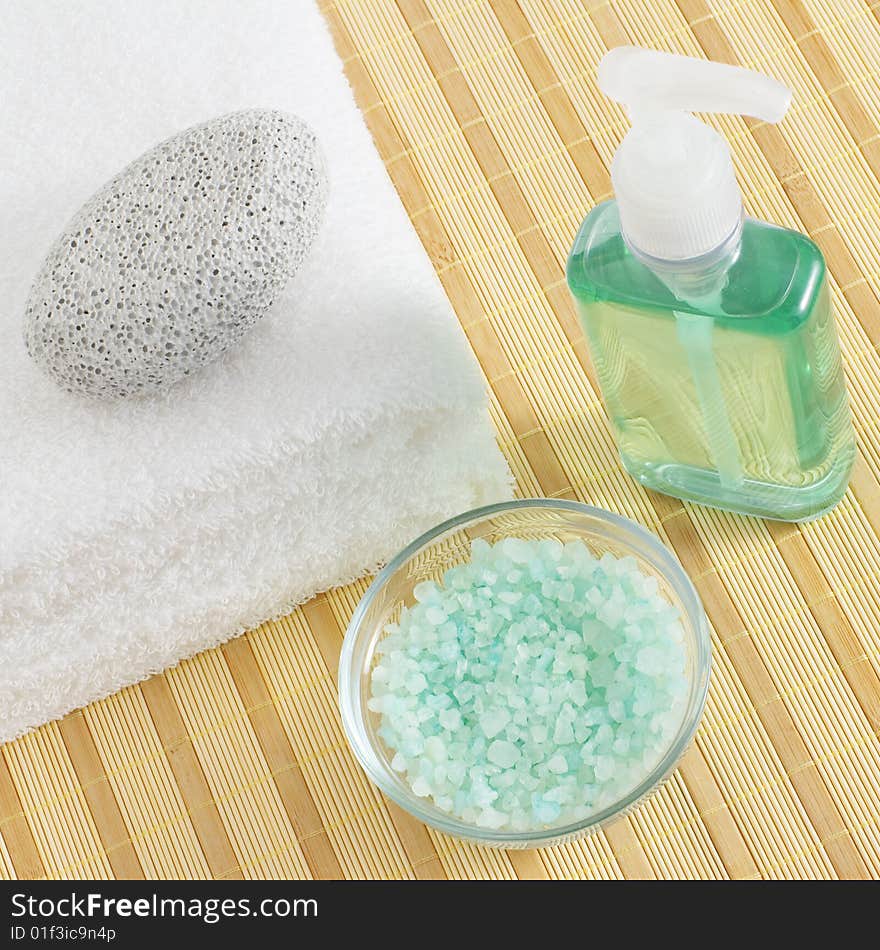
x,y
536,685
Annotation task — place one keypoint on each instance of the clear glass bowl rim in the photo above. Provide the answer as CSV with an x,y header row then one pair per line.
x,y
368,757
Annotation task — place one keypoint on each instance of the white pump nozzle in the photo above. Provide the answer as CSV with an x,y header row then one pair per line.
x,y
646,78
672,175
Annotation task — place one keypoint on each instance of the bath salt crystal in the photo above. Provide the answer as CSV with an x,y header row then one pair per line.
x,y
503,753
426,591
421,787
416,683
491,818
435,616
493,721
435,749
563,734
450,719
535,685
546,812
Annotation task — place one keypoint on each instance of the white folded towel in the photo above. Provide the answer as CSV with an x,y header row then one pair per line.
x,y
134,534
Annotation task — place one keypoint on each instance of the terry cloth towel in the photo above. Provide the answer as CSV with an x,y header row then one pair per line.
x,y
134,534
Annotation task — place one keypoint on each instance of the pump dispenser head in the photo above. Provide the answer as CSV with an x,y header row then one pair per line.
x,y
672,174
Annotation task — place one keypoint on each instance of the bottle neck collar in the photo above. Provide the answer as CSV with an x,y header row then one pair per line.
x,y
696,280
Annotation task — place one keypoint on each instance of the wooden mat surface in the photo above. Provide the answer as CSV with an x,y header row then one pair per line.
x,y
487,116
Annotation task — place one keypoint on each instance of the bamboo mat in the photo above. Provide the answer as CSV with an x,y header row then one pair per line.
x,y
488,118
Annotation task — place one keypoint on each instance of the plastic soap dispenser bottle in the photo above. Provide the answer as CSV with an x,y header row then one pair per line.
x,y
711,333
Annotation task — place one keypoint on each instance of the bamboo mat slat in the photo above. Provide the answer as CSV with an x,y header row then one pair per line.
x,y
487,116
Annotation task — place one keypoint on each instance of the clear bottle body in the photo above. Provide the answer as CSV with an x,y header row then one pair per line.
x,y
722,377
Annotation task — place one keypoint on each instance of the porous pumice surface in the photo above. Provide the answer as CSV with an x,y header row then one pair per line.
x,y
535,686
178,256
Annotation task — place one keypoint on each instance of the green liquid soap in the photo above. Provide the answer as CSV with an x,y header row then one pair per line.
x,y
723,381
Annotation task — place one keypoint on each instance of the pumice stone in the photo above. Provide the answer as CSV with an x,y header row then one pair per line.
x,y
178,256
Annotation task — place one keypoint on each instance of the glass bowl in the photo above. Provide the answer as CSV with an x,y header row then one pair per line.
x,y
429,557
